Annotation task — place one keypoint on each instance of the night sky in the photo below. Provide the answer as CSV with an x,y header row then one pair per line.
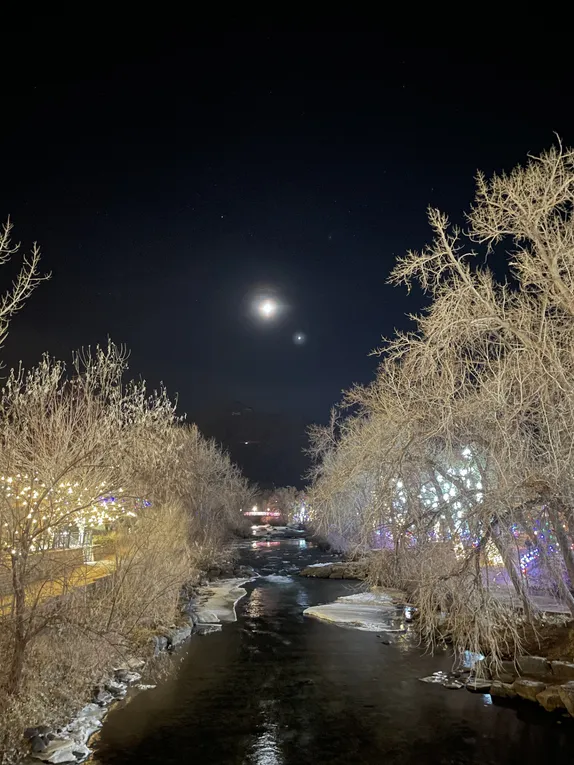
x,y
170,180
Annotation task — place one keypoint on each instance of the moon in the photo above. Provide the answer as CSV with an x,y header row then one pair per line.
x,y
267,308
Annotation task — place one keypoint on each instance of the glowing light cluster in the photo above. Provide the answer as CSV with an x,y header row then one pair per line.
x,y
38,515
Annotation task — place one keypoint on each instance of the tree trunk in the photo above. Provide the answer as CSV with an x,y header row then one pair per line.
x,y
563,542
19,634
515,576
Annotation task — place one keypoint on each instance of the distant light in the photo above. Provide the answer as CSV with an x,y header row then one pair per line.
x,y
246,443
254,509
299,338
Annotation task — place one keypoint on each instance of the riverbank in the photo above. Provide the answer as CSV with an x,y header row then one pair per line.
x,y
277,686
539,670
207,602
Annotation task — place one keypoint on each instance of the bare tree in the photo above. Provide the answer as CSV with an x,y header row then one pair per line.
x,y
25,282
464,442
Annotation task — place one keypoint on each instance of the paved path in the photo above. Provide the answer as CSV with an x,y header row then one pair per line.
x,y
77,577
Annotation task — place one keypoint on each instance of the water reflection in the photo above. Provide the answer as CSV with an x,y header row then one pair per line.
x,y
277,688
266,749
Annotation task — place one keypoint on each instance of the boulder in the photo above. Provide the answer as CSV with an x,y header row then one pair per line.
x,y
528,689
536,667
124,675
207,629
502,690
338,570
160,643
91,710
82,729
508,667
477,685
118,690
563,671
62,750
550,699
37,744
38,730
504,677
102,697
179,635
566,691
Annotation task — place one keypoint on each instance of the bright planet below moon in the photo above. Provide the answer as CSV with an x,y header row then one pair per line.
x,y
299,338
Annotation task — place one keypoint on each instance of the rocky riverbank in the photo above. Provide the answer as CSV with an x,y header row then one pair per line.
x,y
544,680
206,604
337,570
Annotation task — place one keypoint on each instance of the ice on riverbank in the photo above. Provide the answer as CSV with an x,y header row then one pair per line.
x,y
218,604
371,611
278,579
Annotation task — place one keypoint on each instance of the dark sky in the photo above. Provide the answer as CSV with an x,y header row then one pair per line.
x,y
168,179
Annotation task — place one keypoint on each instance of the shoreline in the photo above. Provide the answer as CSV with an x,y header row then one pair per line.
x,y
210,605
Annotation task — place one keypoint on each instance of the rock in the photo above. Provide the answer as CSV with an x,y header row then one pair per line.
x,y
563,670
91,710
438,677
534,666
37,744
29,733
160,643
502,690
550,698
191,614
61,750
528,689
123,675
453,685
477,685
566,691
207,629
103,697
338,570
504,677
179,635
508,667
118,690
81,730
81,751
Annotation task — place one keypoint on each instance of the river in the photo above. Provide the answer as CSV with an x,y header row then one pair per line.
x,y
278,688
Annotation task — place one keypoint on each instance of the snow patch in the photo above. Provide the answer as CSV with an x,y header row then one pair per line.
x,y
320,565
278,579
369,611
220,601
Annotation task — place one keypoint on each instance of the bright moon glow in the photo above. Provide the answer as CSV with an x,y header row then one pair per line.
x,y
267,308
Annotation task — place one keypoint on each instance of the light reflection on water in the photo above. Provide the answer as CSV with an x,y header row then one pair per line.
x,y
267,748
278,688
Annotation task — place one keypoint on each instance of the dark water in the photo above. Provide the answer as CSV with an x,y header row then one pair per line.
x,y
277,688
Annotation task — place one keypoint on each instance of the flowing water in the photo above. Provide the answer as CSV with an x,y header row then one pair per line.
x,y
278,688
